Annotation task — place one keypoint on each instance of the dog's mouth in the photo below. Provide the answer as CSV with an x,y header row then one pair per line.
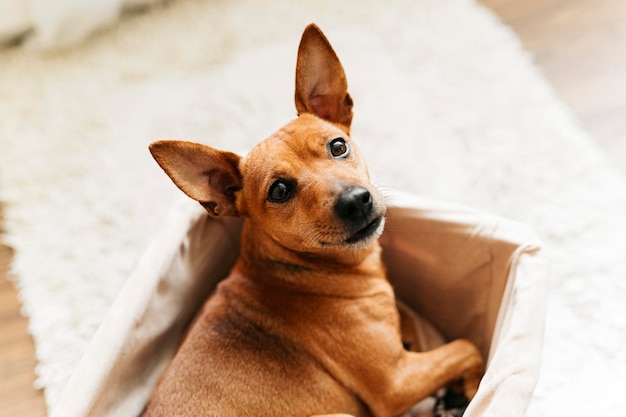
x,y
369,230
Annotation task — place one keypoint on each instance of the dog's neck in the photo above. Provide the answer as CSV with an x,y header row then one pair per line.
x,y
267,262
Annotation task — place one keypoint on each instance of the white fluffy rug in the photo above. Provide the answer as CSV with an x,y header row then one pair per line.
x,y
446,105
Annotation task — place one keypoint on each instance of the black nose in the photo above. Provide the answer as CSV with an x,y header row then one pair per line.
x,y
353,204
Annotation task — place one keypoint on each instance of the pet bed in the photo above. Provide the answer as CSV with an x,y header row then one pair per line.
x,y
469,273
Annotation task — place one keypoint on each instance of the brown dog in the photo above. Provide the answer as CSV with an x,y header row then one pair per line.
x,y
306,323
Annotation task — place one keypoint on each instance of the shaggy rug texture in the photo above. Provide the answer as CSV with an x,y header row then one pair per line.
x,y
446,106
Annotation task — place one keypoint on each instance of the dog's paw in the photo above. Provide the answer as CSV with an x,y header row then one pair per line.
x,y
472,373
471,378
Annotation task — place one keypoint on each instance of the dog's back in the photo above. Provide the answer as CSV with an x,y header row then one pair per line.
x,y
240,358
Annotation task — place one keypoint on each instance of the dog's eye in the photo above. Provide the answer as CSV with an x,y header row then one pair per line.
x,y
280,191
338,148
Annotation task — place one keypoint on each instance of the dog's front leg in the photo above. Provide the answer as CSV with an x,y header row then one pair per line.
x,y
420,374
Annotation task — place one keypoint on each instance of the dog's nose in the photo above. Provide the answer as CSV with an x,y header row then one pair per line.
x,y
353,204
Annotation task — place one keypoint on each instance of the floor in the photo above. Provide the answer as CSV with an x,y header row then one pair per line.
x,y
580,45
17,362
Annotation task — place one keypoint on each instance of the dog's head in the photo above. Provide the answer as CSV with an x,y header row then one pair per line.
x,y
307,185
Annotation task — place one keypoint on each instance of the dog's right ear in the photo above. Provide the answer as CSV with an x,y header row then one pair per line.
x,y
207,175
321,85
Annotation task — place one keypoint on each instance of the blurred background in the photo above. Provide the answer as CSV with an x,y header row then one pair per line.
x,y
580,46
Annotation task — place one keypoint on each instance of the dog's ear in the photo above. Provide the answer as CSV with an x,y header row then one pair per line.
x,y
321,85
207,175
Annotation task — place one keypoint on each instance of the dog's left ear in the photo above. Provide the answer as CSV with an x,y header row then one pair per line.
x,y
321,85
207,175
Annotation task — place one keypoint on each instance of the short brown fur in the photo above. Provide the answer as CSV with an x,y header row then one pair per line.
x,y
306,323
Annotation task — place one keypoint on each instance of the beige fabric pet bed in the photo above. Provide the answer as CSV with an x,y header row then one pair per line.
x,y
469,273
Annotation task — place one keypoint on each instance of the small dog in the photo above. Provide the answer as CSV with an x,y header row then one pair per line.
x,y
306,323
